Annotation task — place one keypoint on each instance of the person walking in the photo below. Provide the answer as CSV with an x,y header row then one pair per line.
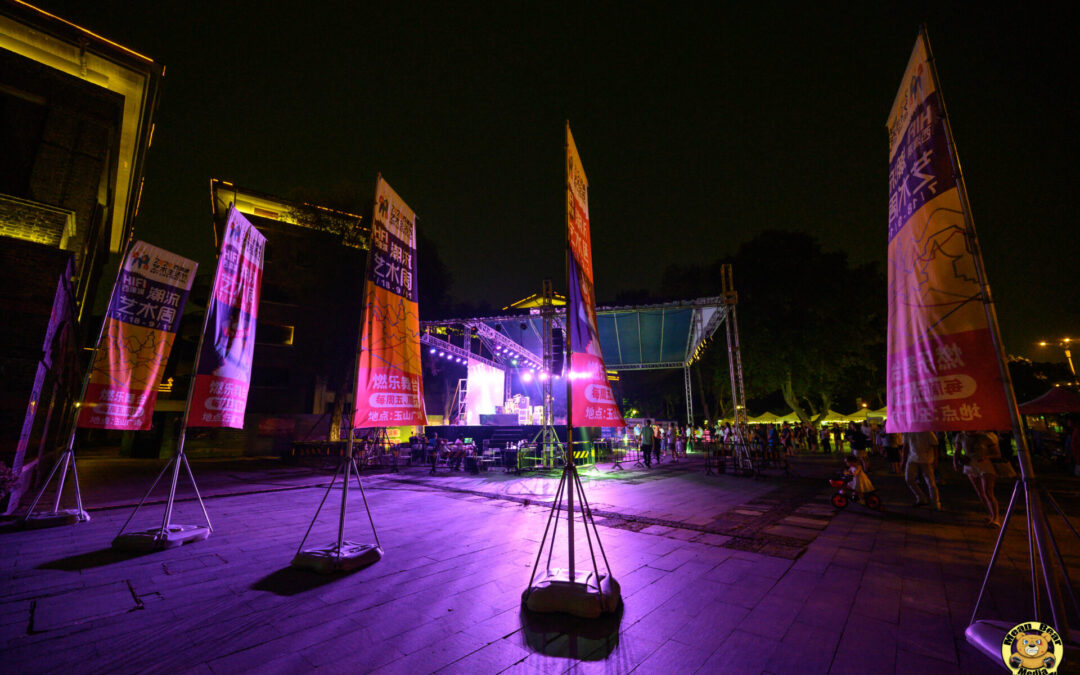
x,y
976,452
920,447
858,442
647,443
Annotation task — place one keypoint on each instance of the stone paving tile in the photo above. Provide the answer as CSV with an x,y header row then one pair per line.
x,y
908,663
741,653
448,590
875,602
926,634
749,591
771,618
684,535
491,658
437,655
805,649
792,532
711,626
674,657
867,645
712,539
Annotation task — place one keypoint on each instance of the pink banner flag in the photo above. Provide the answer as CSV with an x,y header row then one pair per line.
x,y
594,403
943,370
140,326
389,382
220,395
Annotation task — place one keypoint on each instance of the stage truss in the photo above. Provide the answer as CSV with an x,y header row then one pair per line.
x,y
661,336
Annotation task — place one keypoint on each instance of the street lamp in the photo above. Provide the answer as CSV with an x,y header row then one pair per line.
x,y
1065,344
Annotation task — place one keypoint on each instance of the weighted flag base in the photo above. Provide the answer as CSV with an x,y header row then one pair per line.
x,y
987,636
585,595
34,521
328,559
157,539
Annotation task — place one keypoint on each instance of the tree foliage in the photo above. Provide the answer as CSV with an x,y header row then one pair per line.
x,y
811,325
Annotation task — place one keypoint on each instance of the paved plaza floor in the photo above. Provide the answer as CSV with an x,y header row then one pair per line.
x,y
719,574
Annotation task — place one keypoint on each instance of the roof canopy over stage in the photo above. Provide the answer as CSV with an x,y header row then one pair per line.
x,y
642,337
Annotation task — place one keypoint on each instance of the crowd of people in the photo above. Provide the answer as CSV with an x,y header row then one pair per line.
x,y
982,457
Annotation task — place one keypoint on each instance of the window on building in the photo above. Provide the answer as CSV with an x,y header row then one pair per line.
x,y
274,334
22,118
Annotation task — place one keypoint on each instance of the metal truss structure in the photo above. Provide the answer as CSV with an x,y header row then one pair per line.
x,y
659,336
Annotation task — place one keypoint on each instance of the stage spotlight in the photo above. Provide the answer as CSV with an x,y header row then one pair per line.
x,y
513,362
442,353
431,351
526,377
543,377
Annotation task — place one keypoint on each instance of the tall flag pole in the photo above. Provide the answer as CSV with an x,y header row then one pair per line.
x,y
223,363
221,373
942,354
593,402
590,402
66,458
389,385
137,336
944,338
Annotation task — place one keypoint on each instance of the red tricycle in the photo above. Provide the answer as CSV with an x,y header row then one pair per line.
x,y
845,494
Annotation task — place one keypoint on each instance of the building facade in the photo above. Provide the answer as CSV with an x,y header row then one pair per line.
x,y
309,316
76,121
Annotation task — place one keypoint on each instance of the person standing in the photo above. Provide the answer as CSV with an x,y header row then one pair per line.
x,y
786,440
858,441
838,435
647,443
826,434
893,444
976,451
920,447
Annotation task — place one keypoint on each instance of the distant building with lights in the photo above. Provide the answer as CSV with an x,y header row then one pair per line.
x,y
309,317
76,120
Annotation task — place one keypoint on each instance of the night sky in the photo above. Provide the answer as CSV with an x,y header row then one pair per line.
x,y
699,126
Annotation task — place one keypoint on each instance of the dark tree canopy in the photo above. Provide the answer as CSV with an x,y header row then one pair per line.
x,y
812,326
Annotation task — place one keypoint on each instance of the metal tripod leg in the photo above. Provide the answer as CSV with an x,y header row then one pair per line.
x,y
60,483
366,507
1057,553
319,510
197,495
547,527
145,496
41,491
997,551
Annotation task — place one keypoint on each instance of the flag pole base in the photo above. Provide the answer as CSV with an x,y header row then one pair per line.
x,y
157,539
329,559
34,521
584,596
